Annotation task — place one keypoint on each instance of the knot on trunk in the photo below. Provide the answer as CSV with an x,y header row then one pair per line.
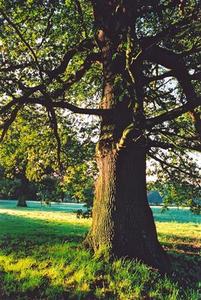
x,y
126,137
131,135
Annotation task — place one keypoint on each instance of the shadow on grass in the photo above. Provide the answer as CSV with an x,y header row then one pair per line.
x,y
27,227
42,259
172,239
184,257
186,268
34,255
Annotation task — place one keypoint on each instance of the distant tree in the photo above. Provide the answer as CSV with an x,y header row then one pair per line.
x,y
79,182
8,188
177,178
154,198
139,61
13,159
29,155
178,193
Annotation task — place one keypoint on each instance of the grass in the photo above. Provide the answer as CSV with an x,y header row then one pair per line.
x,y
41,258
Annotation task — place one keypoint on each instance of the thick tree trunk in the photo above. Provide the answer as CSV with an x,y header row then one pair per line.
x,y
122,219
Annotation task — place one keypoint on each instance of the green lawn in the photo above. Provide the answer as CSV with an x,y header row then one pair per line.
x,y
41,258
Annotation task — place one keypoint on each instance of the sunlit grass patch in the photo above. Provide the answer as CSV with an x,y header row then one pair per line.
x,y
183,238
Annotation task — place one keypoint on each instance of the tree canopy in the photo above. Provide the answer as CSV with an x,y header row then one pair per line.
x,y
50,56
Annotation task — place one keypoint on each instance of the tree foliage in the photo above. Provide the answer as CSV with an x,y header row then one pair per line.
x,y
30,149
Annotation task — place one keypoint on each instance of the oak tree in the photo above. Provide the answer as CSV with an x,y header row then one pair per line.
x,y
135,65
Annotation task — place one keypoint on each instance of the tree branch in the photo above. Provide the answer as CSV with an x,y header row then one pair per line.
x,y
47,102
77,76
196,116
49,25
5,126
13,25
54,125
174,62
86,44
8,106
148,42
174,113
159,77
162,162
66,105
165,145
15,67
69,82
159,144
80,12
196,76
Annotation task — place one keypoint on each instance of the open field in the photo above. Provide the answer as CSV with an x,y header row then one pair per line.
x,y
36,205
41,258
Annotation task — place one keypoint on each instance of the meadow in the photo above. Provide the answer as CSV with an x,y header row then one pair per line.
x,y
41,257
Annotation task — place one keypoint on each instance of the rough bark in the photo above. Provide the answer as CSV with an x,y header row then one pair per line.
x,y
122,219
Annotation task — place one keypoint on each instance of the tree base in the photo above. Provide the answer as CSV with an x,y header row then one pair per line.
x,y
158,259
21,203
